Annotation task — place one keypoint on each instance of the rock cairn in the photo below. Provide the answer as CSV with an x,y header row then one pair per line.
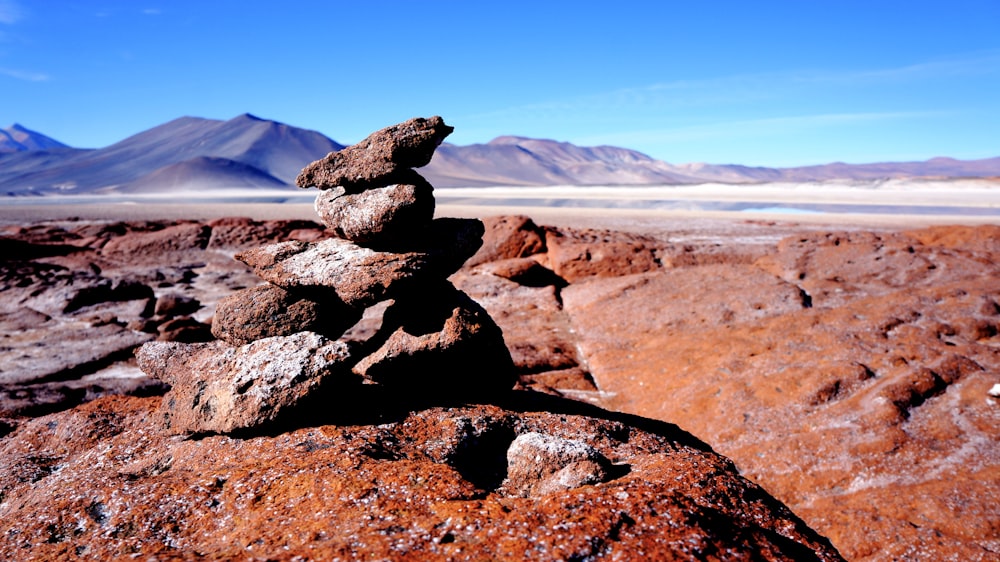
x,y
280,346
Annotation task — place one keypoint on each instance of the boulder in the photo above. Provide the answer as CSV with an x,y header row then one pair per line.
x,y
508,237
540,464
378,215
359,276
441,343
448,243
536,330
379,159
268,310
216,388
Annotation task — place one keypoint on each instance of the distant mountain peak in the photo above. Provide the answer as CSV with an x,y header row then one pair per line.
x,y
244,151
514,139
250,151
18,138
248,117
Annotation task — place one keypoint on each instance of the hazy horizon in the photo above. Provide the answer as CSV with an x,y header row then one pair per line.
x,y
773,84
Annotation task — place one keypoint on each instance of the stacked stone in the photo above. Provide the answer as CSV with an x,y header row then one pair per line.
x,y
278,343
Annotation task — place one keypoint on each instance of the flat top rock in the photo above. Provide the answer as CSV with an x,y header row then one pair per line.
x,y
220,388
378,215
359,276
421,485
374,161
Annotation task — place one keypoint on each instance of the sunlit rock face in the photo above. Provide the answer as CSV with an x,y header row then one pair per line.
x,y
103,481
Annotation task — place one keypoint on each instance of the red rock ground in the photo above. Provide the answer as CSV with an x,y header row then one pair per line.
x,y
102,482
846,372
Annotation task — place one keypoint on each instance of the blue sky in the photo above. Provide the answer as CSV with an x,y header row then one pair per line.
x,y
757,83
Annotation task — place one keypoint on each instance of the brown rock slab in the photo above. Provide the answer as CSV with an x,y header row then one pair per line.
x,y
536,330
378,215
572,382
359,276
523,271
14,249
268,310
575,255
160,254
184,329
418,486
439,342
42,398
375,161
216,388
57,290
687,298
508,237
159,245
60,349
240,233
448,243
540,464
175,304
835,267
979,239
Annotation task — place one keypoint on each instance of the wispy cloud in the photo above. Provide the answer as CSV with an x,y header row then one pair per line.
x,y
24,75
749,89
751,127
10,12
964,64
973,63
680,94
152,11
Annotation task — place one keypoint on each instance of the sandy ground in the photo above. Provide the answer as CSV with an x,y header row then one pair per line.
x,y
892,204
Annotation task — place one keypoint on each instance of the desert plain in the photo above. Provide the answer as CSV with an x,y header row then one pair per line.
x,y
839,343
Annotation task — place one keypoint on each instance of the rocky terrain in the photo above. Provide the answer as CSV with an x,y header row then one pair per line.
x,y
845,371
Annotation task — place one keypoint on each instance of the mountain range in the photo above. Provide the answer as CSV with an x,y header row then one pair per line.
x,y
249,152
